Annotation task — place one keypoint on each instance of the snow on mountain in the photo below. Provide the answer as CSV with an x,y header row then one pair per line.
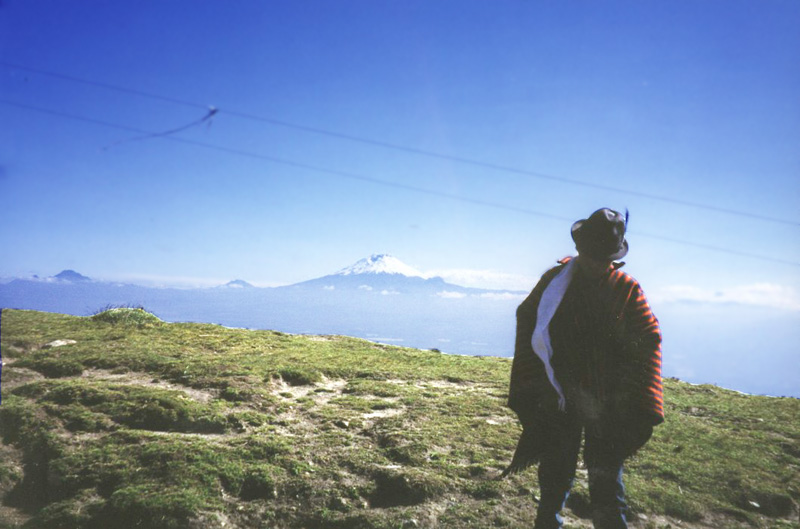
x,y
386,274
380,264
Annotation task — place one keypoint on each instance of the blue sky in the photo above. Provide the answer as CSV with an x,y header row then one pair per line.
x,y
691,101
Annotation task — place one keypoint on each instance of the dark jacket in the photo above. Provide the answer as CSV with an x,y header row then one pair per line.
x,y
606,357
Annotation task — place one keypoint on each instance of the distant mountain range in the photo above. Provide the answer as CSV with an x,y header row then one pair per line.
x,y
379,298
382,299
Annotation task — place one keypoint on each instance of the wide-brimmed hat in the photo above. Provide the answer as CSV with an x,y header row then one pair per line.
x,y
602,235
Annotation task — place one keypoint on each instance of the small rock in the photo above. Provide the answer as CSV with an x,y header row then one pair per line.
x,y
59,343
342,424
340,504
411,523
754,504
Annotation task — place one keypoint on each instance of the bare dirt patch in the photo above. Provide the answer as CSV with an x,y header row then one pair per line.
x,y
321,392
322,338
380,414
18,376
456,387
143,379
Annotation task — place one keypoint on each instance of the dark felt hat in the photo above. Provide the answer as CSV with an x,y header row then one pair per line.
x,y
602,235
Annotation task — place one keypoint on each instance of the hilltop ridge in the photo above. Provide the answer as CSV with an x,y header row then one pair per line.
x,y
378,297
121,419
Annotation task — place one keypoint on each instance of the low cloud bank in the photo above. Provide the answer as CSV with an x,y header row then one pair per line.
x,y
488,279
451,295
759,294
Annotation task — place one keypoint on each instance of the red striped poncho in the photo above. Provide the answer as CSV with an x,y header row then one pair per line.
x,y
606,352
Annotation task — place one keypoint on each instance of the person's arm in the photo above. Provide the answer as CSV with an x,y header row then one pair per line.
x,y
643,352
527,370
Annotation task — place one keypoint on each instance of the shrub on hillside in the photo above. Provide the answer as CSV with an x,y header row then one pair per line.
x,y
52,367
300,376
137,316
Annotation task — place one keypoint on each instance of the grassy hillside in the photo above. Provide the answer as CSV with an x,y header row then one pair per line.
x,y
131,422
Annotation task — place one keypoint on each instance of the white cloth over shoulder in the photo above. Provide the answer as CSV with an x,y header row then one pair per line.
x,y
551,299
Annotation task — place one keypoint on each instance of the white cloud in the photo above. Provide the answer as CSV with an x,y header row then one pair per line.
x,y
450,295
364,287
162,281
502,296
389,292
329,287
485,279
180,282
758,294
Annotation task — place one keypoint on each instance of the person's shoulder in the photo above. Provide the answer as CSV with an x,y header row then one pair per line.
x,y
548,276
618,277
554,271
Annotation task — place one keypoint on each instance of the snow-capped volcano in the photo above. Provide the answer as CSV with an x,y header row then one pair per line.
x,y
380,264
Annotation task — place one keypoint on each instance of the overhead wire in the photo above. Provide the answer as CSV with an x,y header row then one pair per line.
x,y
372,180
205,119
410,150
283,161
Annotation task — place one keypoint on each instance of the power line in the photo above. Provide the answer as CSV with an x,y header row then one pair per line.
x,y
283,161
410,150
713,248
115,88
376,181
204,119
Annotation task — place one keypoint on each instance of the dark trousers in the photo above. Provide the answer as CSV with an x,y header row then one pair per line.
x,y
557,473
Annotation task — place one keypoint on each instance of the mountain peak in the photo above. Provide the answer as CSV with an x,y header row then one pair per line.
x,y
380,264
71,275
238,283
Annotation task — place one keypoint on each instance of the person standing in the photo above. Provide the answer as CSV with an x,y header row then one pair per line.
x,y
587,364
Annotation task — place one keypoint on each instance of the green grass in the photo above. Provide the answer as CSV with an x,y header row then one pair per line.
x,y
148,424
135,316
